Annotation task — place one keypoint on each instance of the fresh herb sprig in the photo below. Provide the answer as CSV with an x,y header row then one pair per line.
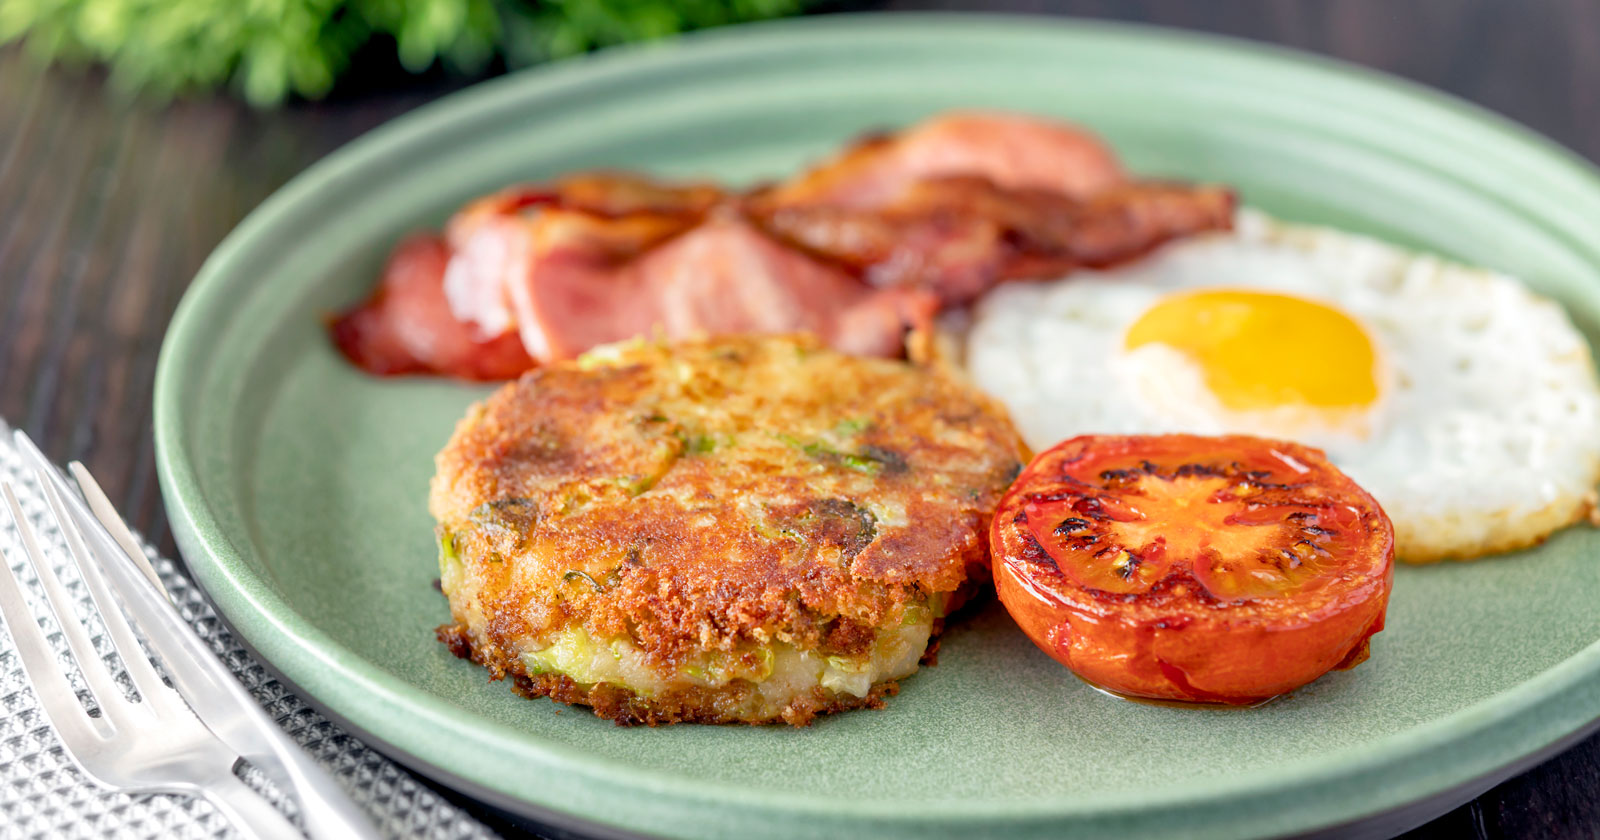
x,y
269,50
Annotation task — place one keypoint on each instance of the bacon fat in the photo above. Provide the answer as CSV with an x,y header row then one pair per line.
x,y
857,250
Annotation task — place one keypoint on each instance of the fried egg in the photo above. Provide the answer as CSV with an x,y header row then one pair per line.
x,y
1465,403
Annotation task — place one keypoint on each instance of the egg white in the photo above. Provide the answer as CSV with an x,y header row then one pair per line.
x,y
1487,434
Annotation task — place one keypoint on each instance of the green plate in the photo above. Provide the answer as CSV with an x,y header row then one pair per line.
x,y
298,486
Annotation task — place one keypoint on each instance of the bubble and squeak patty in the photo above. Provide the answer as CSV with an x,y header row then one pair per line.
x,y
732,530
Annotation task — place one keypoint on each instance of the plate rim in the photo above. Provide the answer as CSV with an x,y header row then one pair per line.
x,y
1400,818
216,562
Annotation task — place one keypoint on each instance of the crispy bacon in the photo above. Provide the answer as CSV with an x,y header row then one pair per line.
x,y
495,238
407,327
722,276
1011,151
600,258
856,250
605,193
966,200
496,255
958,236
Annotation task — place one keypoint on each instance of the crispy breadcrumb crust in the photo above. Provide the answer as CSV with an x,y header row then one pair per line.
x,y
716,495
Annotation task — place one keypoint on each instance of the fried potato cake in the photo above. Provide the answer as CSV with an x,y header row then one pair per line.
x,y
740,529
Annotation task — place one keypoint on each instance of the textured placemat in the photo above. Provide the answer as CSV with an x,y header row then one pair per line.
x,y
43,794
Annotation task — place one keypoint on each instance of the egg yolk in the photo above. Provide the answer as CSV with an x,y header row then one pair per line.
x,y
1262,350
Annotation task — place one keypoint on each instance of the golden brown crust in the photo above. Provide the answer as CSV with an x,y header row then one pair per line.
x,y
1517,532
715,496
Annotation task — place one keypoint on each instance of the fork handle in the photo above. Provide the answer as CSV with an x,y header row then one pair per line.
x,y
250,814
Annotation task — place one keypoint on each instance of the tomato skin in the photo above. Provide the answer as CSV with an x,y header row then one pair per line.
x,y
1172,637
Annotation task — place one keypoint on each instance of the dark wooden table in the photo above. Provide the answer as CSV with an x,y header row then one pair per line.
x,y
107,209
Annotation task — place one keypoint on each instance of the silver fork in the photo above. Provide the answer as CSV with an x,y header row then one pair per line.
x,y
150,744
220,701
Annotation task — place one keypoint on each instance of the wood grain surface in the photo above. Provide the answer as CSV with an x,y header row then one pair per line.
x,y
107,208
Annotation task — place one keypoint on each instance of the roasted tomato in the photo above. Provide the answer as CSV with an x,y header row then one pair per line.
x,y
1199,569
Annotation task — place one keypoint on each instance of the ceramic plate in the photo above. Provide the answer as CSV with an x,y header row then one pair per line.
x,y
297,485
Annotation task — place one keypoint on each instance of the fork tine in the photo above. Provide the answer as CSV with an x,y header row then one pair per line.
x,y
92,494
105,689
140,671
102,509
56,696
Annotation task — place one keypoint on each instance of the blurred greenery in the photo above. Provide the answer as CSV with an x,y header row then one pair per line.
x,y
268,50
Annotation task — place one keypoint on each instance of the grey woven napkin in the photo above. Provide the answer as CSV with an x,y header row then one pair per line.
x,y
43,794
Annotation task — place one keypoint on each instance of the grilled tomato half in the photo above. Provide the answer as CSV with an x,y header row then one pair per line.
x,y
1189,568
